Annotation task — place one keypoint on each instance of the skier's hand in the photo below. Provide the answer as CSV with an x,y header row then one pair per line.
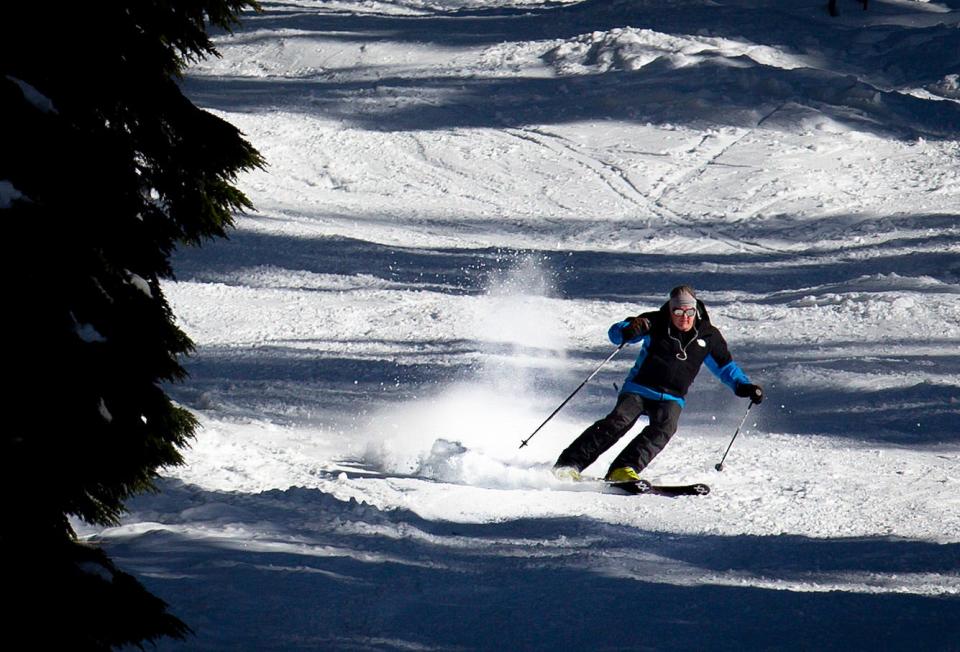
x,y
635,327
752,392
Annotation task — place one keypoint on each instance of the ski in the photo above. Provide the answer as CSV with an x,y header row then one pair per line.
x,y
644,487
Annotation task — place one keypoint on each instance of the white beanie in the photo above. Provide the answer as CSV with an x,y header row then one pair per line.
x,y
684,299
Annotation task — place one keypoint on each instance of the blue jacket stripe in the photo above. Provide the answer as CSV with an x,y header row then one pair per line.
x,y
729,374
646,392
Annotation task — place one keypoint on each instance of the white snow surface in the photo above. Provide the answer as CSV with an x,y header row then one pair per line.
x,y
460,198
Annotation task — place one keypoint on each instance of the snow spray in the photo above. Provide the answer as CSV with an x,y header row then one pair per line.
x,y
466,432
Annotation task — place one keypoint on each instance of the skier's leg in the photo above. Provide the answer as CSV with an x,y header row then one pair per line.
x,y
664,416
596,439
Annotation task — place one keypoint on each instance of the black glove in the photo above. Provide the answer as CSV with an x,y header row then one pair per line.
x,y
635,327
752,392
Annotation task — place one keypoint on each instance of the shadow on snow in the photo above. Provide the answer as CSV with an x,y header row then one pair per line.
x,y
601,275
852,73
294,383
344,575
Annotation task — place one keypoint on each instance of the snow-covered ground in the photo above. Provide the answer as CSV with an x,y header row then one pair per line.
x,y
461,197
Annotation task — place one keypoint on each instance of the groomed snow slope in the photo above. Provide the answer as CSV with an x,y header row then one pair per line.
x,y
460,198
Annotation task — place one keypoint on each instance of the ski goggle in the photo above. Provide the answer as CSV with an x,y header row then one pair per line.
x,y
684,312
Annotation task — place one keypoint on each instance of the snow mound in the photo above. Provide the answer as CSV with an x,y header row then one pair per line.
x,y
629,48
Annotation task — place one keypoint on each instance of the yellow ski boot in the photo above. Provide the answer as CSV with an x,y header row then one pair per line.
x,y
623,474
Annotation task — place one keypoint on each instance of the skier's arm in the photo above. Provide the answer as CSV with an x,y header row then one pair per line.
x,y
616,332
729,374
721,364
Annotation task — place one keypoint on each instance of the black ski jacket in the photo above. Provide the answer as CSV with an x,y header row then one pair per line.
x,y
669,359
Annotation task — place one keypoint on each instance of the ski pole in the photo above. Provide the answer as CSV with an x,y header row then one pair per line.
x,y
719,466
552,414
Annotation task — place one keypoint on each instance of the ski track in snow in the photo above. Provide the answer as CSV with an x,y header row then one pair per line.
x,y
461,197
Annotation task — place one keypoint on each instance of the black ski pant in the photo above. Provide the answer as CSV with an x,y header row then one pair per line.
x,y
595,440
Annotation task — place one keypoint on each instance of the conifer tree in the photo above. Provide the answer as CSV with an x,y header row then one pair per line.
x,y
105,167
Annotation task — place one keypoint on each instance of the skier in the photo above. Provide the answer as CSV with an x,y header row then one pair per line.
x,y
674,342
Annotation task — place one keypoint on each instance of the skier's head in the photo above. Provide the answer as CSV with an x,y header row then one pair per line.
x,y
683,307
